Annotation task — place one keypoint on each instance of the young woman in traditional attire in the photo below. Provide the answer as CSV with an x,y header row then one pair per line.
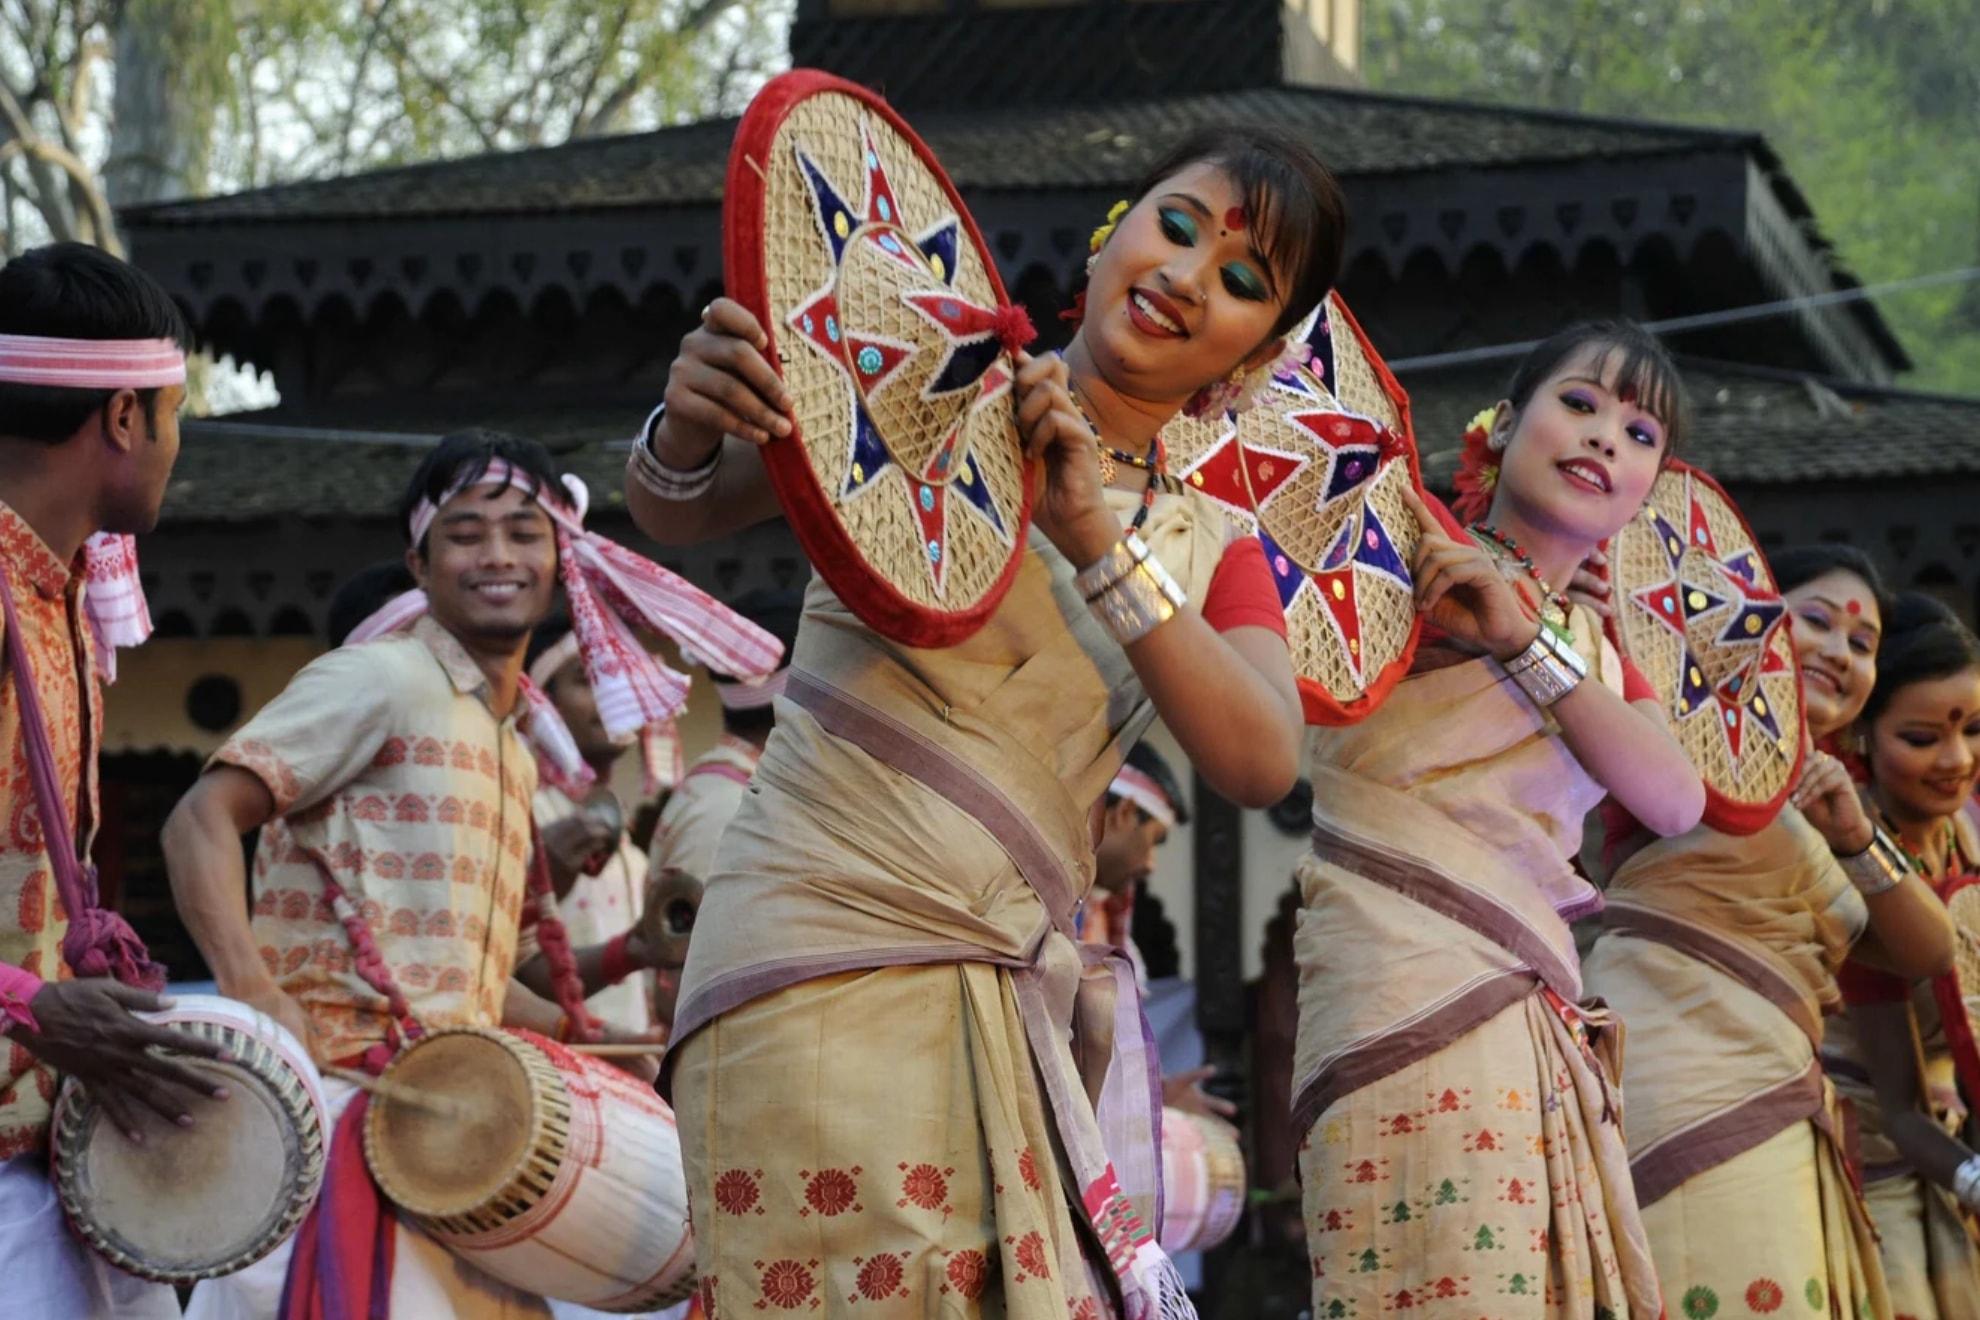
x,y
1720,955
1463,1149
876,1091
1903,1054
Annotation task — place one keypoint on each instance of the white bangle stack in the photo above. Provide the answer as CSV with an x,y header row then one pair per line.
x,y
1129,591
1549,668
660,479
1879,868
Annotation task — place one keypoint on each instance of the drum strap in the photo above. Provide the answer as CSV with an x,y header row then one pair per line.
x,y
97,943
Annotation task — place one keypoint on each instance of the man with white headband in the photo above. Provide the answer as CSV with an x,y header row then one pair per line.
x,y
92,375
597,871
393,793
1139,811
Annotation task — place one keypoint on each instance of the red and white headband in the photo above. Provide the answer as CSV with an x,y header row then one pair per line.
x,y
91,364
610,591
1145,793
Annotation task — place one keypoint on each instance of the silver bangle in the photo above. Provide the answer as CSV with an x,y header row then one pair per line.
x,y
1548,669
1119,561
1879,868
1139,602
666,482
1966,1183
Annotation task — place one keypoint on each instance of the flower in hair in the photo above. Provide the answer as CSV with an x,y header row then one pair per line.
x,y
1106,231
1478,469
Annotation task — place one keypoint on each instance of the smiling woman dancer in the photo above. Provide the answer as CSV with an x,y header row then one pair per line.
x,y
1720,955
1904,1054
1464,1154
876,1093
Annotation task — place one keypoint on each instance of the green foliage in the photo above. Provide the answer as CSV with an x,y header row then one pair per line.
x,y
1874,105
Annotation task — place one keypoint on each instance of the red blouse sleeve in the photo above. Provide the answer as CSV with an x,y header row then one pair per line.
x,y
1867,985
1242,593
1635,686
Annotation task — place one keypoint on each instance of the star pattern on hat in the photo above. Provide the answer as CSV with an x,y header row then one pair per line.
x,y
869,362
1721,606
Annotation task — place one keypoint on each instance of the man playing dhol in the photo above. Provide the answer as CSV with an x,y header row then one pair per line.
x,y
92,372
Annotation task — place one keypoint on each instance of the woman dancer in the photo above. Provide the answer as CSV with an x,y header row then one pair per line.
x,y
1904,1054
1720,954
876,1094
1462,1150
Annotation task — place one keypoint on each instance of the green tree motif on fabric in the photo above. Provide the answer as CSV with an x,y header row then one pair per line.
x,y
1817,1295
1485,1241
1369,1261
1447,1193
1399,1213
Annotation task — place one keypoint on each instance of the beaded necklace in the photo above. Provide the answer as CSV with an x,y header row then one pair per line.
x,y
1508,548
1917,859
1155,463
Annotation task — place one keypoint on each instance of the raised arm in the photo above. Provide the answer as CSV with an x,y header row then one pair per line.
x,y
723,398
1229,698
1626,747
1910,932
202,844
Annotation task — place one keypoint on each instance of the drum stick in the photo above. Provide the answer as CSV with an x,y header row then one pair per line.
x,y
410,1096
630,1051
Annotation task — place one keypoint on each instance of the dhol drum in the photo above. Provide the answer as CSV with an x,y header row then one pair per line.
x,y
564,1178
196,1203
1203,1181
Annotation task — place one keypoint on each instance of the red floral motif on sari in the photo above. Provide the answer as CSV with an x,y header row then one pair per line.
x,y
1029,1252
880,1277
968,1273
831,1191
788,1284
738,1192
925,1186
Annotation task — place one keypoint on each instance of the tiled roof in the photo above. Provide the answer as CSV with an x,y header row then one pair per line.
x,y
354,462
1755,426
1023,148
1748,427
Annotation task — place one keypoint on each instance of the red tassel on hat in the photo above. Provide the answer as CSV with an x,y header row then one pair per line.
x,y
1012,326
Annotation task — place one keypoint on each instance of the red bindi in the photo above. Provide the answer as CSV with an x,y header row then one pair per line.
x,y
1235,219
1854,607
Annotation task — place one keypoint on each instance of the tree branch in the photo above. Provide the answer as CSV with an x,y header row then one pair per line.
x,y
379,11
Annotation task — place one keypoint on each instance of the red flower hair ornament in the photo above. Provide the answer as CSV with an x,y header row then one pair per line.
x,y
1479,458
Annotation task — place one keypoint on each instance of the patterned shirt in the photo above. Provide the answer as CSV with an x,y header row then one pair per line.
x,y
48,598
390,774
692,822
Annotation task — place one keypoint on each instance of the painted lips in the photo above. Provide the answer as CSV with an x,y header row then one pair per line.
x,y
1155,315
1587,472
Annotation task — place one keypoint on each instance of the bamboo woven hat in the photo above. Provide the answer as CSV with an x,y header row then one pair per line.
x,y
1698,611
1317,470
903,477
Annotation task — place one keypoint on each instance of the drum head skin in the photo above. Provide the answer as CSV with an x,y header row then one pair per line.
x,y
1698,611
199,1202
903,477
440,1164
1317,469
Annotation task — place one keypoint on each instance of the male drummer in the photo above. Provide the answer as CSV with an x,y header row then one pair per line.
x,y
598,872
88,435
1140,809
394,772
